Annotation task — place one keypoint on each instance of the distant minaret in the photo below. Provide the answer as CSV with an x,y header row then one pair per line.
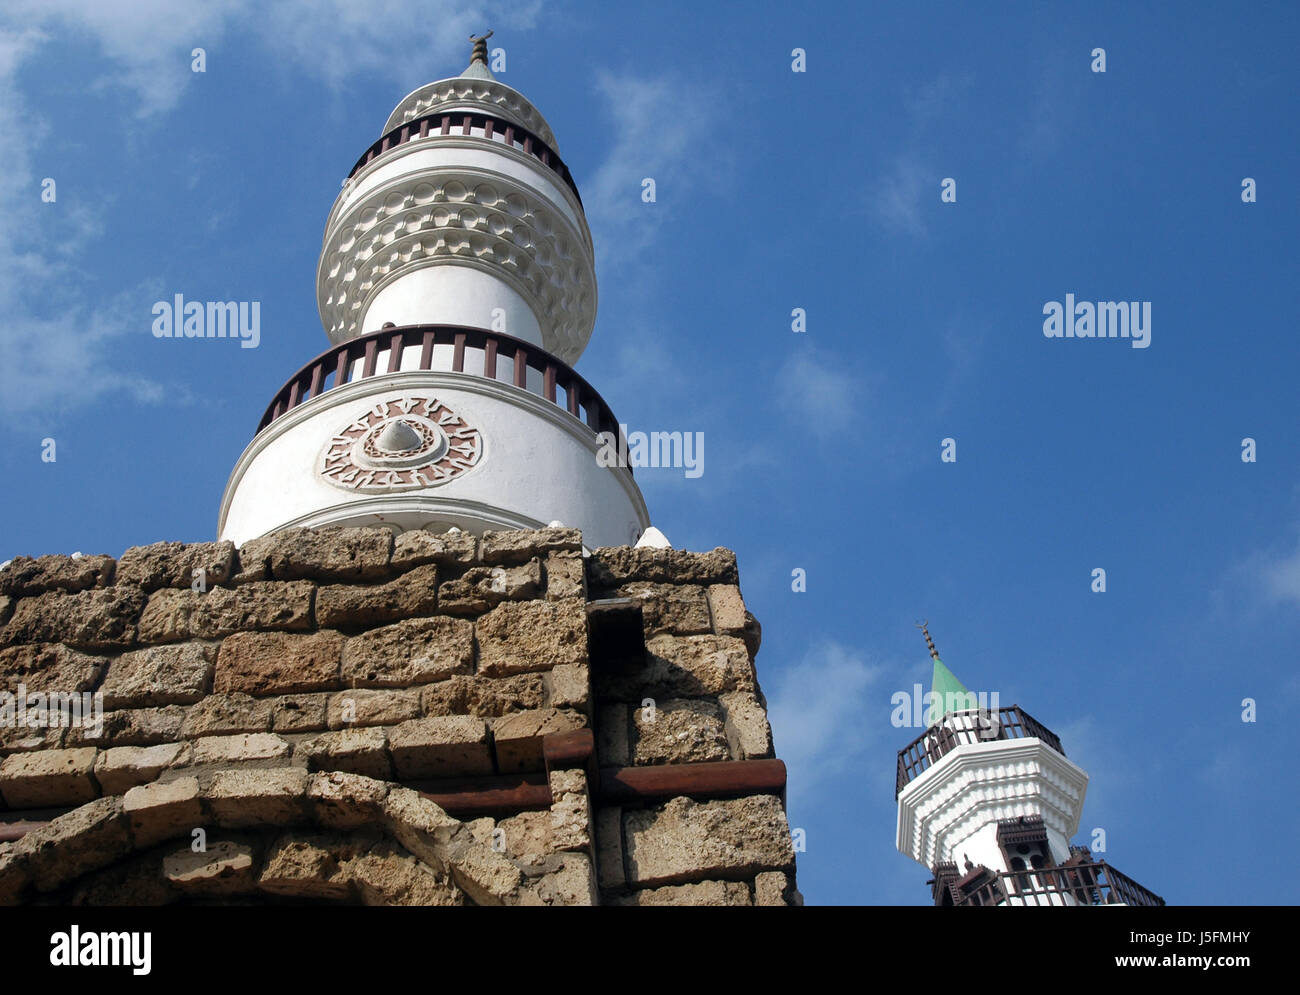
x,y
988,802
457,284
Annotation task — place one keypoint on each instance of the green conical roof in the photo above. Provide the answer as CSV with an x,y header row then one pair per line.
x,y
943,687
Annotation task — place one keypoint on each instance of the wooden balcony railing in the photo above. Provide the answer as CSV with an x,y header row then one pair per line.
x,y
359,358
494,129
970,727
1070,884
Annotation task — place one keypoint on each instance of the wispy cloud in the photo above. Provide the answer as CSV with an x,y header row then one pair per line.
x,y
820,390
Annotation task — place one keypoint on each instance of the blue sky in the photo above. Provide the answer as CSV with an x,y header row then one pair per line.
x,y
775,190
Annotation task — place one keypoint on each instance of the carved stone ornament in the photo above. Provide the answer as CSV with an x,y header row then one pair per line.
x,y
401,444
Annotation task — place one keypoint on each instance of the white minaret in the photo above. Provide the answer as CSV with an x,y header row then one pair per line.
x,y
457,284
988,801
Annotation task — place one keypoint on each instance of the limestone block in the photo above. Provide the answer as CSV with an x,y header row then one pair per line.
x,y
351,606
162,810
682,667
386,875
748,732
570,810
772,888
219,714
421,826
262,663
46,667
416,651
610,567
74,844
446,746
728,609
133,727
123,767
240,748
484,696
516,637
570,881
701,893
25,576
479,589
48,778
682,609
417,547
679,731
356,751
173,564
346,801
173,615
175,674
569,686
518,736
271,796
100,618
302,865
566,576
521,545
224,868
342,554
357,707
299,712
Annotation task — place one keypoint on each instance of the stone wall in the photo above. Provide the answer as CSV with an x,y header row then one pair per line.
x,y
344,715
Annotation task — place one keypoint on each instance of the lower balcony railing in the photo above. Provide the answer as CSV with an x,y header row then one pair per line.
x,y
1071,884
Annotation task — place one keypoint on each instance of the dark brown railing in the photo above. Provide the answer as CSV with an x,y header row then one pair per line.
x,y
1085,883
933,744
338,366
464,123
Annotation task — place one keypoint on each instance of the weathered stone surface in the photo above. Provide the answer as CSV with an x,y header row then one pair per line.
x,y
25,576
416,651
748,733
48,778
135,881
100,618
566,576
343,554
271,796
223,714
727,608
568,686
518,736
174,564
299,712
484,696
162,810
74,844
413,594
225,868
752,635
133,727
341,800
773,888
262,663
176,674
612,737
448,746
6,606
570,810
364,707
488,877
686,840
612,566
682,667
516,637
569,880
49,667
173,615
123,767
520,546
24,739
416,548
355,751
524,837
679,731
682,609
421,826
479,589
388,875
304,865
609,848
701,893
239,748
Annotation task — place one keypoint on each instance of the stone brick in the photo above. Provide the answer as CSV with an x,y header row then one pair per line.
x,y
162,810
223,714
702,893
133,881
417,547
6,606
25,576
354,751
686,840
299,712
23,739
177,674
682,667
521,545
772,888
516,637
449,746
568,686
123,767
49,667
133,727
566,576
525,837
304,866
173,615
570,810
749,734
610,567
346,801
83,840
239,748
387,875
172,564
569,881
609,847
416,651
484,696
682,609
48,778
341,554
612,738
101,618
421,826
263,663
225,868
679,731
269,796
727,608
479,589
363,707
350,606
518,736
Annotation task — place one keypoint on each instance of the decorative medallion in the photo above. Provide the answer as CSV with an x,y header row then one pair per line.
x,y
400,445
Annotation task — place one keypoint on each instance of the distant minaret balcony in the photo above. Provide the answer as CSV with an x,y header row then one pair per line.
x,y
1078,881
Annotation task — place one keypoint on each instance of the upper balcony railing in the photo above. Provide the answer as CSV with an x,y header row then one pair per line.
x,y
446,348
960,728
1069,884
460,123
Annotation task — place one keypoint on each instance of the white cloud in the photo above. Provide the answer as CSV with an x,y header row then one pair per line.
x,y
1280,577
819,392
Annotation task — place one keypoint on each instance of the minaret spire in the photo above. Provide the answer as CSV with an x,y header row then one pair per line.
x,y
925,631
480,51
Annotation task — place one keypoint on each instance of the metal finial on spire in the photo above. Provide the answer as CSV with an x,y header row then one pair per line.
x,y
480,52
929,643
